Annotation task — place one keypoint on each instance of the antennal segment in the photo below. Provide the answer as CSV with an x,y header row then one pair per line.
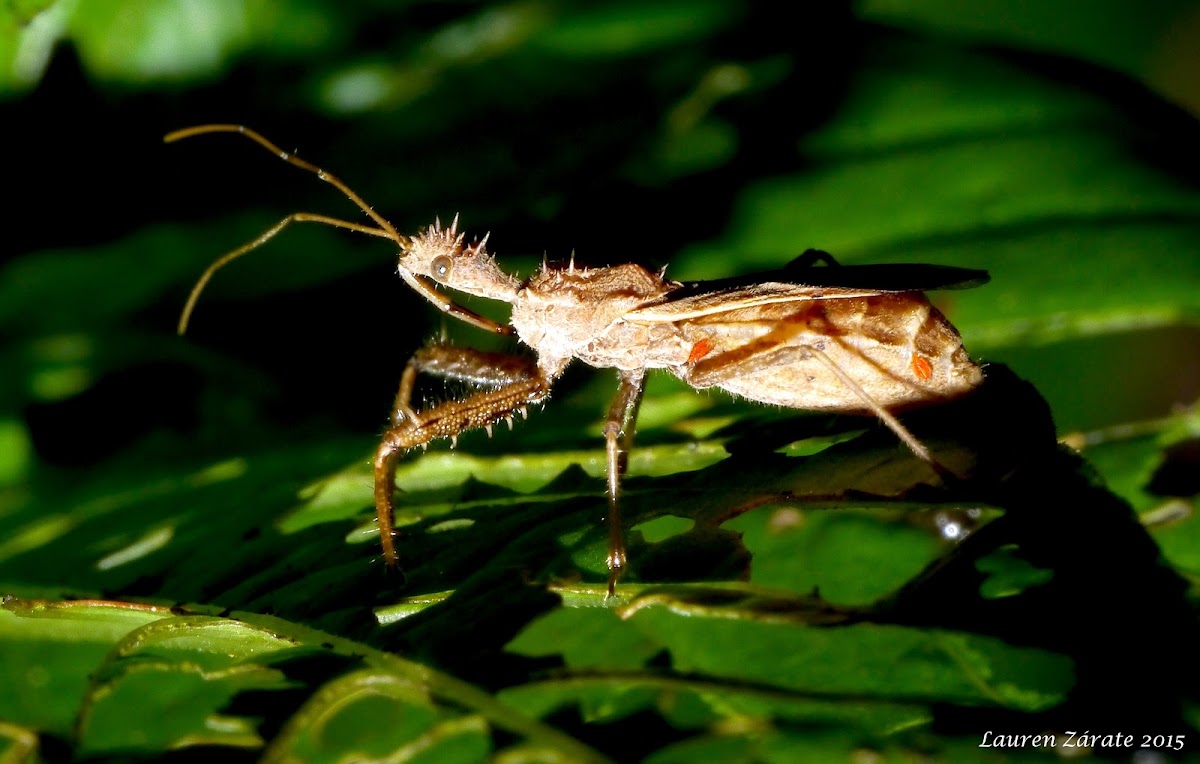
x,y
227,258
188,132
385,230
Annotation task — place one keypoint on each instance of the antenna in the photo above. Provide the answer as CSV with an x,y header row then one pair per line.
x,y
385,230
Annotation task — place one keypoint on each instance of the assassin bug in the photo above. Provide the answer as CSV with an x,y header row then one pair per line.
x,y
856,339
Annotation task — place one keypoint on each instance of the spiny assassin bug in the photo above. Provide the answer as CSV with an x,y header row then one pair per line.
x,y
855,339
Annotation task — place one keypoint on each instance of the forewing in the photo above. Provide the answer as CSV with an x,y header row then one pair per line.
x,y
801,283
680,306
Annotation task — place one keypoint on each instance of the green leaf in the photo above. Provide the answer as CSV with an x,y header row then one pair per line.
x,y
156,42
50,651
623,28
876,661
187,525
876,677
374,714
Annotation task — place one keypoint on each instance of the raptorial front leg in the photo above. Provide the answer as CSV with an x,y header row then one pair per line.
x,y
523,385
478,367
619,430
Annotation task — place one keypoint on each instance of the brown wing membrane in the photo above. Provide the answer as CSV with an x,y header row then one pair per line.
x,y
901,277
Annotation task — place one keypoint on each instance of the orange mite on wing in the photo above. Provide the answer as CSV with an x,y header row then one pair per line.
x,y
699,350
922,368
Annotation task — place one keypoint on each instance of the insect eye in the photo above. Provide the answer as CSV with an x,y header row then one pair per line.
x,y
440,267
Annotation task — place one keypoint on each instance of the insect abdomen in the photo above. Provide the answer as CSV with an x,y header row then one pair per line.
x,y
897,347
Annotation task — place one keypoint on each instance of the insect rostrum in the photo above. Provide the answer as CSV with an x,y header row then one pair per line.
x,y
838,338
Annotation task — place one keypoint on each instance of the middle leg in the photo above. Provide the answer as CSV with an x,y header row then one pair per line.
x,y
619,430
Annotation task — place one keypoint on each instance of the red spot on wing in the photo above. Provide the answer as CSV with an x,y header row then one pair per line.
x,y
922,368
699,350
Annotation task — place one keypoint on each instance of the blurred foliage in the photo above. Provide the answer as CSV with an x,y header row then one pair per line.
x,y
186,524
